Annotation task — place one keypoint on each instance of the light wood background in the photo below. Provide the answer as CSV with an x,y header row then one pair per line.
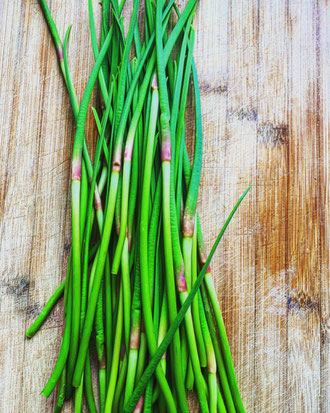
x,y
262,66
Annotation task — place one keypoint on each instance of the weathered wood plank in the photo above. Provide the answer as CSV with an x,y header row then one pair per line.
x,y
240,171
303,272
272,178
322,20
20,135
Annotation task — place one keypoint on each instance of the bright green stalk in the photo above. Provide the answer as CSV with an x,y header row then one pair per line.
x,y
191,200
154,234
145,291
184,352
160,306
99,339
120,385
178,319
116,352
221,408
103,75
99,313
124,63
148,398
142,355
89,386
105,148
178,261
135,173
45,311
135,337
64,351
211,362
108,317
126,292
178,86
127,165
190,376
187,245
224,344
163,325
60,393
78,398
218,356
166,170
67,284
118,203
104,31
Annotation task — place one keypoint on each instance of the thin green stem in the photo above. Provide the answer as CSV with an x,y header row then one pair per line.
x,y
46,310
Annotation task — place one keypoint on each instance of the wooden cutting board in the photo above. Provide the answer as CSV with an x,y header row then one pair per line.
x,y
265,94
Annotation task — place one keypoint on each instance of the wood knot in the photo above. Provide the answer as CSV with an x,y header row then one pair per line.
x,y
248,113
300,301
270,134
18,286
206,88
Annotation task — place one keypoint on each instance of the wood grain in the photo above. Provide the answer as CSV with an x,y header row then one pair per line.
x,y
263,69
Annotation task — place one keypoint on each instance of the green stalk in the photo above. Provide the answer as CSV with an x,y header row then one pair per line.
x,y
134,338
177,256
60,393
46,310
126,293
78,398
218,356
120,385
148,398
166,149
147,314
64,350
89,386
116,352
108,318
224,344
221,408
211,362
99,339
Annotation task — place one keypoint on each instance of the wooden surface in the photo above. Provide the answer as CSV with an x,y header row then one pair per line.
x,y
262,66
